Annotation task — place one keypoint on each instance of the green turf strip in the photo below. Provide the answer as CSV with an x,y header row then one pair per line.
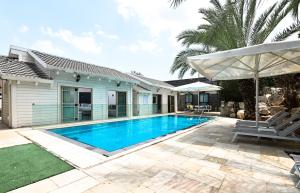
x,y
25,164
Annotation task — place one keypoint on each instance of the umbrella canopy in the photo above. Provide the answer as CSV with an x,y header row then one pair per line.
x,y
257,61
197,87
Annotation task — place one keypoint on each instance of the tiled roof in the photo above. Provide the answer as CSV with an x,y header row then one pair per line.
x,y
81,67
154,81
13,67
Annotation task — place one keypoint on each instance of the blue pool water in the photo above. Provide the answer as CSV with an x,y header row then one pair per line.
x,y
117,135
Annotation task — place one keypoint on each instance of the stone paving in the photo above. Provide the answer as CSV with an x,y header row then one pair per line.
x,y
201,160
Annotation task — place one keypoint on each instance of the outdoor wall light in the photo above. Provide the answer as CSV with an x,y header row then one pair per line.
x,y
77,78
118,83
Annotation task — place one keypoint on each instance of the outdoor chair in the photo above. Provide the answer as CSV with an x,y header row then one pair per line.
x,y
296,167
284,134
275,119
284,123
203,108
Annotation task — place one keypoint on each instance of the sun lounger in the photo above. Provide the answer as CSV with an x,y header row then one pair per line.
x,y
286,133
296,168
275,119
284,123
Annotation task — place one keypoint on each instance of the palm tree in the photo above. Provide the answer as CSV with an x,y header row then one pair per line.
x,y
294,5
234,24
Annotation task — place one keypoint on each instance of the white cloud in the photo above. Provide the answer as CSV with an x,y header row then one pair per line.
x,y
146,46
106,35
46,46
158,17
24,28
85,42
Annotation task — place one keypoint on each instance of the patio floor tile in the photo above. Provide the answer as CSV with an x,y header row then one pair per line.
x,y
78,186
67,177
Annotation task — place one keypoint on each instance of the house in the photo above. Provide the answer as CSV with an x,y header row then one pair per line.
x,y
191,98
153,96
41,89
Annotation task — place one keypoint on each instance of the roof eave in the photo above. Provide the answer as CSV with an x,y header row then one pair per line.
x,y
151,84
26,79
92,74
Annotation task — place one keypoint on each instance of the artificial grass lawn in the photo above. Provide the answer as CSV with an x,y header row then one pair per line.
x,y
25,164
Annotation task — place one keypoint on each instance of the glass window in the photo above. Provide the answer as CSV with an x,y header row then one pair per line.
x,y
188,98
143,98
203,98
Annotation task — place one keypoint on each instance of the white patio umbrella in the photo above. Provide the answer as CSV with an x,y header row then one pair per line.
x,y
257,61
198,87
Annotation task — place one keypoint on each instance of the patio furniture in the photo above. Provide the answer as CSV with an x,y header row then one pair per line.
x,y
199,87
285,134
296,167
203,108
275,119
279,126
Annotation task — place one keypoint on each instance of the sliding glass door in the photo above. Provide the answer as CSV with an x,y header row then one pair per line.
x,y
69,104
117,104
121,104
76,104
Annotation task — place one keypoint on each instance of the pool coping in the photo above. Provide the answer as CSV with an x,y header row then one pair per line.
x,y
131,148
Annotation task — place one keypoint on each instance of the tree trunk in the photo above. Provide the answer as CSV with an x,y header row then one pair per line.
x,y
247,90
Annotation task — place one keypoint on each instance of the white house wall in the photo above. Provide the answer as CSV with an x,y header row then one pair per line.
x,y
5,102
41,104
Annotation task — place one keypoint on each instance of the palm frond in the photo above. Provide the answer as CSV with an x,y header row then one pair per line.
x,y
217,5
180,62
260,23
249,17
295,27
176,3
278,14
190,37
294,6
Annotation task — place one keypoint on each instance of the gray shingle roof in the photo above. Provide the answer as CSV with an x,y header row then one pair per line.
x,y
81,67
155,82
13,67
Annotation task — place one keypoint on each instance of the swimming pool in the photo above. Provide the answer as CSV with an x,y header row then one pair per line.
x,y
112,136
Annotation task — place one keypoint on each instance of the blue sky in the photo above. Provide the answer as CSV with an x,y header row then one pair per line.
x,y
126,35
122,34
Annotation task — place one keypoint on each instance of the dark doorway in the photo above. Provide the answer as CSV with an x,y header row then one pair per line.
x,y
156,104
171,104
117,104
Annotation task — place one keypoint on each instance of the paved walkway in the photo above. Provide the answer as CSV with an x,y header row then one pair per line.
x,y
202,160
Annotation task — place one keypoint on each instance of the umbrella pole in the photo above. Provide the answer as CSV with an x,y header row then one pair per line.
x,y
256,98
199,101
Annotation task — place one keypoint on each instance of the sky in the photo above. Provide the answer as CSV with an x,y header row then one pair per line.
x,y
126,35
